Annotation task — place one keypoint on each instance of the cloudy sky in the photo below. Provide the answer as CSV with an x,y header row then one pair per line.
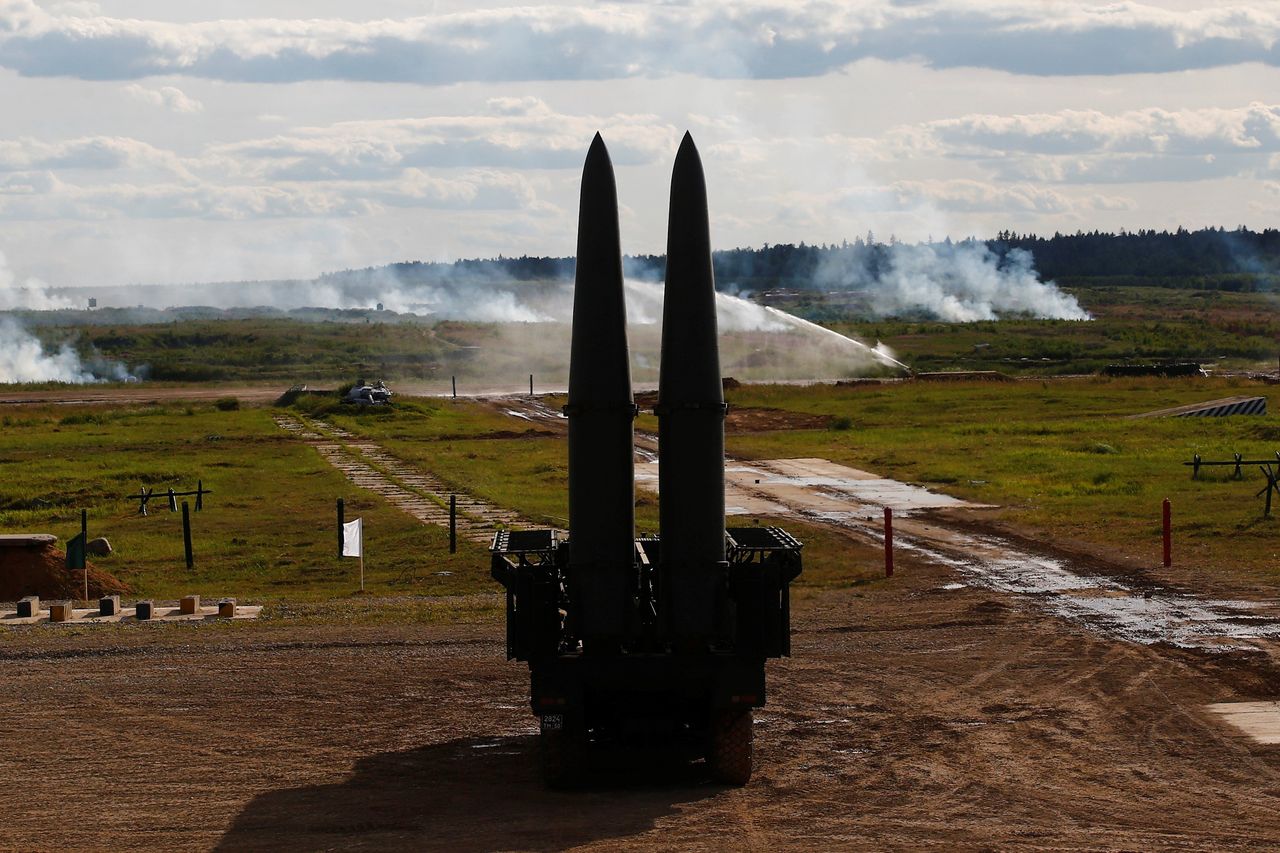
x,y
153,140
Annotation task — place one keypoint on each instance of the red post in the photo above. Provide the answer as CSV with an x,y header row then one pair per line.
x,y
1168,534
888,542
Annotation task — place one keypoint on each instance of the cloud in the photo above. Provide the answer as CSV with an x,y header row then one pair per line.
x,y
722,39
930,201
1251,129
1087,146
44,197
511,133
89,152
166,97
478,163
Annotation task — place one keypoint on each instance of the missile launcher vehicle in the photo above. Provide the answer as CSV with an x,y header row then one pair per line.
x,y
631,639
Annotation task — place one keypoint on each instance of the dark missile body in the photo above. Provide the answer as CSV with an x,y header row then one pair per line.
x,y
601,411
691,412
665,636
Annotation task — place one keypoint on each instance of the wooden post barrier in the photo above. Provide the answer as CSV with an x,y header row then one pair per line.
x,y
454,379
530,384
453,524
342,517
888,542
1168,533
186,535
144,496
1273,485
84,543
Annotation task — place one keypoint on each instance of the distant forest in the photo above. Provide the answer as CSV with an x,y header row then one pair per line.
x,y
1211,259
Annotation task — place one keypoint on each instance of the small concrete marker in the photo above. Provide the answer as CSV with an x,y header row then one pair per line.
x,y
29,607
109,605
189,605
60,611
143,610
227,608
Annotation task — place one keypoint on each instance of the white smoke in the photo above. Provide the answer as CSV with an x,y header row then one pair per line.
x,y
23,359
31,295
735,314
952,282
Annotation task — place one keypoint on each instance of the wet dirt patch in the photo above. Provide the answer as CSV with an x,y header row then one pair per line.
x,y
1259,720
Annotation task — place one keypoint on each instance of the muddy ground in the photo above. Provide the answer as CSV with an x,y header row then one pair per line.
x,y
909,717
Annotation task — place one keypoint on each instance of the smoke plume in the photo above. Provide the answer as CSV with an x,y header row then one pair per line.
x,y
23,359
952,282
31,295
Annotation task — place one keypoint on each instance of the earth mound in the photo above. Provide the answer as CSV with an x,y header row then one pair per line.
x,y
37,567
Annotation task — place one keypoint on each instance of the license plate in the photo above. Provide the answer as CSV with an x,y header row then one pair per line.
x,y
552,722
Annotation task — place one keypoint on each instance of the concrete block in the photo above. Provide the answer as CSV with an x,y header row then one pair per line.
x,y
189,605
227,608
109,605
60,611
29,606
143,610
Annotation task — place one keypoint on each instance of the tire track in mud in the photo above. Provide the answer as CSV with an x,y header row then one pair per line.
x,y
411,490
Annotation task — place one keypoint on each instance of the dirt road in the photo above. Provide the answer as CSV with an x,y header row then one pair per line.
x,y
944,709
912,717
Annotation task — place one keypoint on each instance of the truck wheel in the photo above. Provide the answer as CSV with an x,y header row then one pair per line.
x,y
730,755
562,751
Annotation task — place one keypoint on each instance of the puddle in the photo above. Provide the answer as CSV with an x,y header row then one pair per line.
x,y
1106,605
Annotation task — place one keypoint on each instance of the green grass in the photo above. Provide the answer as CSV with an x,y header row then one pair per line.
x,y
1061,456
267,531
1235,330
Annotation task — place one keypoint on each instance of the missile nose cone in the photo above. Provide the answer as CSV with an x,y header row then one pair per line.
x,y
597,153
690,369
598,191
599,366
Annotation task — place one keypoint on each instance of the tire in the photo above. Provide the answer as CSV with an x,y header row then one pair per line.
x,y
729,757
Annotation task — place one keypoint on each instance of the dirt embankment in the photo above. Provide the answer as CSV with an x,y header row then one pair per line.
x,y
43,571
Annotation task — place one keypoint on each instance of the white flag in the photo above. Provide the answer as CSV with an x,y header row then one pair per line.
x,y
351,538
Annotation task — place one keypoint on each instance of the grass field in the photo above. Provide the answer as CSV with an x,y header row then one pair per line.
x,y
267,531
1233,330
1061,455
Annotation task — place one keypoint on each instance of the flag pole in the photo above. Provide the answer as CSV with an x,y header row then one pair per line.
x,y
362,562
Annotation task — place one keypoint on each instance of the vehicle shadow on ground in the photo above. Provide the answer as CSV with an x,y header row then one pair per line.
x,y
469,794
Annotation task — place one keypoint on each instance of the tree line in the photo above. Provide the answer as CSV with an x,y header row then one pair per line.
x,y
1209,258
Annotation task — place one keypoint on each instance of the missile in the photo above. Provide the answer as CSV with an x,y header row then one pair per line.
x,y
601,411
691,410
